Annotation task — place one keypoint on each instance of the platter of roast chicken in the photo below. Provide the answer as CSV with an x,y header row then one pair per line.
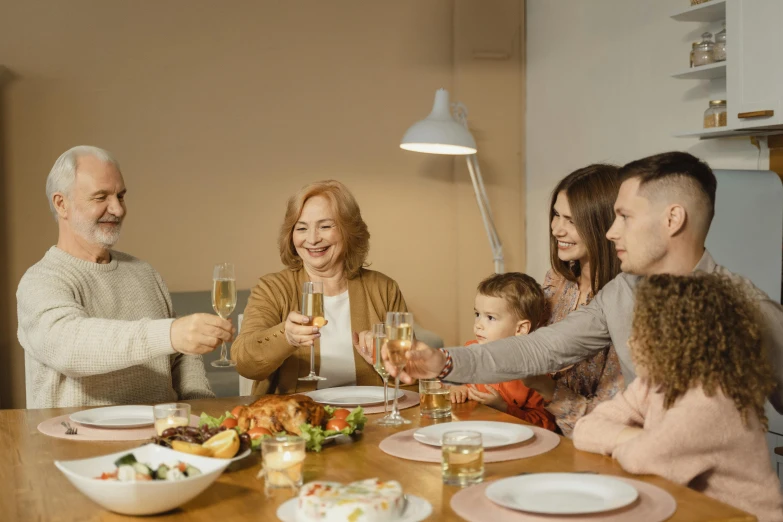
x,y
234,434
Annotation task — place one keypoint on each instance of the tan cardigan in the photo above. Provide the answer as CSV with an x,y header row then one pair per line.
x,y
261,350
700,442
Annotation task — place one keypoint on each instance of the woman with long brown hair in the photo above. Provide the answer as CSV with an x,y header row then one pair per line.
x,y
583,261
324,239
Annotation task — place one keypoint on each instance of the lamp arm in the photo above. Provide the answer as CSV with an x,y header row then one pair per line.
x,y
486,212
461,112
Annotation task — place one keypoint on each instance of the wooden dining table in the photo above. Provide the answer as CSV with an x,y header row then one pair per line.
x,y
33,489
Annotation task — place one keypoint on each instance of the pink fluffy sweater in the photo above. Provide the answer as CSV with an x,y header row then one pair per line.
x,y
700,442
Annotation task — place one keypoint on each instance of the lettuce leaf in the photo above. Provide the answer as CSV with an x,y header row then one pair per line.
x,y
255,444
213,422
356,419
313,435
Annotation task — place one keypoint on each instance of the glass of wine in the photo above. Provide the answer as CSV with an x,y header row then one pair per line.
x,y
399,341
379,338
224,300
313,307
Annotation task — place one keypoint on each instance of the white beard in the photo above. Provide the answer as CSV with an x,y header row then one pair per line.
x,y
93,233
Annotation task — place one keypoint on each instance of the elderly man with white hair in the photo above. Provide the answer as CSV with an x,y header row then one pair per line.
x,y
97,325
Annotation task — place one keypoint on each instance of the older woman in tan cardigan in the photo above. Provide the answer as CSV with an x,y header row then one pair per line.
x,y
323,238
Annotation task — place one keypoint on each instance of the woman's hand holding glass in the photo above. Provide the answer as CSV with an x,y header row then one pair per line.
x,y
363,343
297,331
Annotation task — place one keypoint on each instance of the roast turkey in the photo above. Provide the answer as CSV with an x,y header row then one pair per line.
x,y
281,413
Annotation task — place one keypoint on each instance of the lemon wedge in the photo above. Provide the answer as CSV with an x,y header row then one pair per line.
x,y
224,445
190,447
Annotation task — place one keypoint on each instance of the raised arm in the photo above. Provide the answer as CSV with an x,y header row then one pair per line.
x,y
261,346
55,329
548,349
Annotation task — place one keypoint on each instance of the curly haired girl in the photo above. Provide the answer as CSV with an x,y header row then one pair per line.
x,y
695,413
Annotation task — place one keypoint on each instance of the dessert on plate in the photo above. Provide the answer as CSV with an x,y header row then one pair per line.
x,y
370,500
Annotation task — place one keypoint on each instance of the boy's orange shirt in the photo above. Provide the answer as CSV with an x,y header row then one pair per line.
x,y
523,403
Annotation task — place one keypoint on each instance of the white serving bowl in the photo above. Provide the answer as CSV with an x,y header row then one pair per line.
x,y
145,497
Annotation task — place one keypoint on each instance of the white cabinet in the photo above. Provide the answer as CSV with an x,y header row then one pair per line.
x,y
754,73
753,67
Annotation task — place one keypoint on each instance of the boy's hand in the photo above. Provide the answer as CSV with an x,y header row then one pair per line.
x,y
458,394
491,399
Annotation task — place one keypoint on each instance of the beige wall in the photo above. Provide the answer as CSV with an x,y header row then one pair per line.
x,y
218,113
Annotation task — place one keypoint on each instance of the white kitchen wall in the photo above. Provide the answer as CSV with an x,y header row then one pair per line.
x,y
599,90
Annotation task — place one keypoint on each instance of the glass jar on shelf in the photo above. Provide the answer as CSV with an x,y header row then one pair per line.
x,y
697,2
716,114
719,50
703,54
693,51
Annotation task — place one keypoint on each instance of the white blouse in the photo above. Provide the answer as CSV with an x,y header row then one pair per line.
x,y
337,362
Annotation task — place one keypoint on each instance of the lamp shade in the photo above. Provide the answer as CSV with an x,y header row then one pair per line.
x,y
439,133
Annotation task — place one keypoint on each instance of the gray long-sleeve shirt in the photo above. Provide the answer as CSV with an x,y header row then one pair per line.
x,y
606,319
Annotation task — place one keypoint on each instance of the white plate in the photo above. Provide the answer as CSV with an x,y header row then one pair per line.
x,y
562,493
418,509
493,434
116,417
352,395
144,497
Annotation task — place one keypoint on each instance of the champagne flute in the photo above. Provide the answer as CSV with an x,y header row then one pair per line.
x,y
224,300
313,307
399,341
379,338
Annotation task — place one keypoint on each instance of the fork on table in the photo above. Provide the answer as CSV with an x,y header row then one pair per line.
x,y
69,430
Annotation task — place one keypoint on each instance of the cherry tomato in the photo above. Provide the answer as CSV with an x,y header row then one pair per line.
x,y
336,424
237,410
258,432
229,423
342,413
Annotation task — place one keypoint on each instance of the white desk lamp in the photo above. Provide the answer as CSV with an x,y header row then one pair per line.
x,y
440,133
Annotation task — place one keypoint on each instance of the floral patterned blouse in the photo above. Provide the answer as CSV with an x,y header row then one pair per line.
x,y
581,387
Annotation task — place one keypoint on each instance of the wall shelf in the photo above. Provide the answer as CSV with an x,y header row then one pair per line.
x,y
723,132
711,11
704,72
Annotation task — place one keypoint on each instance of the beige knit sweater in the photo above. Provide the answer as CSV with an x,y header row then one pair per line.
x,y
99,334
700,442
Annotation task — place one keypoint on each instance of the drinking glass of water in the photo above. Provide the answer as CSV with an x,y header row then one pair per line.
x,y
463,458
434,399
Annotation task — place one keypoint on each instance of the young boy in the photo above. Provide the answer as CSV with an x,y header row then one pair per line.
x,y
507,305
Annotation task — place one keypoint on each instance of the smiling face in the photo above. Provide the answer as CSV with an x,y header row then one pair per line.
x,y
95,204
316,237
570,246
639,231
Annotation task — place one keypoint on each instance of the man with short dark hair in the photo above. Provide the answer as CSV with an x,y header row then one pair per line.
x,y
663,213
